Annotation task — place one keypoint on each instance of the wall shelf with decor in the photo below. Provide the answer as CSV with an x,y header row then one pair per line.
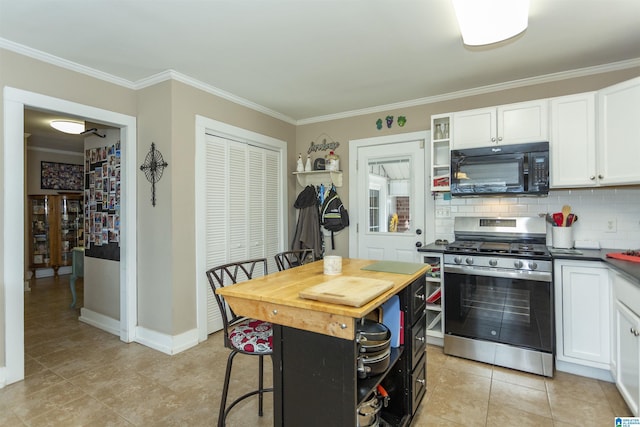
x,y
319,177
440,152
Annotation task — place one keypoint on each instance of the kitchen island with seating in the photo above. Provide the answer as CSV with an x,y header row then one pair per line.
x,y
316,354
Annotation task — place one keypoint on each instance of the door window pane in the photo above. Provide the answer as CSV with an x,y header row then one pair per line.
x,y
374,210
389,195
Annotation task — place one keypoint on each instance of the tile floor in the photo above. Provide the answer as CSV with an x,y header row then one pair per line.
x,y
77,375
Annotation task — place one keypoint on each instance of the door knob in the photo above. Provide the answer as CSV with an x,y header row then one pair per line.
x,y
418,231
418,244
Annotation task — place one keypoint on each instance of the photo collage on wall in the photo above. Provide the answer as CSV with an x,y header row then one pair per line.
x,y
102,202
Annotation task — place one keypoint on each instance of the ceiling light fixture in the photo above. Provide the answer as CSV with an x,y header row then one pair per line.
x,y
484,22
68,126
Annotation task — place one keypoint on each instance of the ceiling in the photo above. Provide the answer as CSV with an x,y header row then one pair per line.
x,y
308,60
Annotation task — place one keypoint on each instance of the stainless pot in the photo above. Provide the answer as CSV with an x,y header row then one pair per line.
x,y
368,411
370,364
372,330
372,336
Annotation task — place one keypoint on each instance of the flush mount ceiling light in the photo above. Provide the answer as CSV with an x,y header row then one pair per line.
x,y
68,126
484,22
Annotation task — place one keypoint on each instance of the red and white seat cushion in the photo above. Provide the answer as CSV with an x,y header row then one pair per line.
x,y
252,336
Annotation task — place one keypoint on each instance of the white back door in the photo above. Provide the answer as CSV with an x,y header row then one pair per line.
x,y
389,198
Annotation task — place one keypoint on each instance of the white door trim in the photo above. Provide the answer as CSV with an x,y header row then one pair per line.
x,y
15,100
354,145
204,125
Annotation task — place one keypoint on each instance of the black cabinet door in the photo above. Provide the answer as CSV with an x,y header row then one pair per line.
x,y
316,376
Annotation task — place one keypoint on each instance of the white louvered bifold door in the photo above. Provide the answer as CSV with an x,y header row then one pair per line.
x,y
273,208
256,194
243,217
216,203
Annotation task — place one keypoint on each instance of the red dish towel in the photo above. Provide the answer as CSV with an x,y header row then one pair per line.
x,y
624,257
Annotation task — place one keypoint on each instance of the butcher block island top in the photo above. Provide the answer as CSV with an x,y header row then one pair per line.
x,y
276,297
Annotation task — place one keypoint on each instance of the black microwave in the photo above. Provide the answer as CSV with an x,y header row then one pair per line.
x,y
501,170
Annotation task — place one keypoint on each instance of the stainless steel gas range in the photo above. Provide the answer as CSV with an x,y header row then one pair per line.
x,y
498,293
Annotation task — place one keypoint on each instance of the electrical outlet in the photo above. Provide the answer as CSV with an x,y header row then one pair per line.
x,y
443,212
611,226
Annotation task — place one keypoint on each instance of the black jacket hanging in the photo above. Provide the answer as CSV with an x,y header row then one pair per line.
x,y
308,234
333,215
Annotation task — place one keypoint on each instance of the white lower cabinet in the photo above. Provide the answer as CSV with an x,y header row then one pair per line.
x,y
627,341
583,313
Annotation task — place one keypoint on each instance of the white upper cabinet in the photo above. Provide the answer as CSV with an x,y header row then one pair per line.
x,y
506,124
619,133
573,141
474,128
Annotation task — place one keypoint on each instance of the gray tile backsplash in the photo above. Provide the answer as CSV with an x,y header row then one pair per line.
x,y
596,208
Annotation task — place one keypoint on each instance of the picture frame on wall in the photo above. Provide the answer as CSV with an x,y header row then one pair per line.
x,y
61,176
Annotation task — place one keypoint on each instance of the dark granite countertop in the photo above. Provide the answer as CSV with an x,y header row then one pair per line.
x,y
630,268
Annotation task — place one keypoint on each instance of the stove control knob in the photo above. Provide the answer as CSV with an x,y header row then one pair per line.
x,y
518,264
469,260
457,260
493,262
533,266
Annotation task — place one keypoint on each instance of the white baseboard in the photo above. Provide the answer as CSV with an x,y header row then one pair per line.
x,y
584,371
100,321
156,340
3,377
168,344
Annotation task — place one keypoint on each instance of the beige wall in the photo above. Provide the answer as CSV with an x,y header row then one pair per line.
x,y
166,233
166,115
187,102
154,223
418,119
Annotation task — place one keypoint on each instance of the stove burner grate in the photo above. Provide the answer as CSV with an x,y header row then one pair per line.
x,y
484,247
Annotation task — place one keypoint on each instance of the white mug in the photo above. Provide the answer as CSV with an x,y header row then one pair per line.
x,y
332,264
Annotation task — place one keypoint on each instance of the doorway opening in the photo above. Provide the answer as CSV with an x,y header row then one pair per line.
x,y
15,102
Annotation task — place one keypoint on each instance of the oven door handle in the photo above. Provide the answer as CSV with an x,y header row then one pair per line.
x,y
538,276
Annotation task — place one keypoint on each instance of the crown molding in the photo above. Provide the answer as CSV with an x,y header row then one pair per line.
x,y
63,63
174,75
182,78
547,78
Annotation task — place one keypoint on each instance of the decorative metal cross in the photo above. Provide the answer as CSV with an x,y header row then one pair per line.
x,y
153,167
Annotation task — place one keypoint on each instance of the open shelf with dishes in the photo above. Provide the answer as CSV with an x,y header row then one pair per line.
x,y
440,152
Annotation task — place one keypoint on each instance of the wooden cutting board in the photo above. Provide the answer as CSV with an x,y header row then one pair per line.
x,y
352,291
